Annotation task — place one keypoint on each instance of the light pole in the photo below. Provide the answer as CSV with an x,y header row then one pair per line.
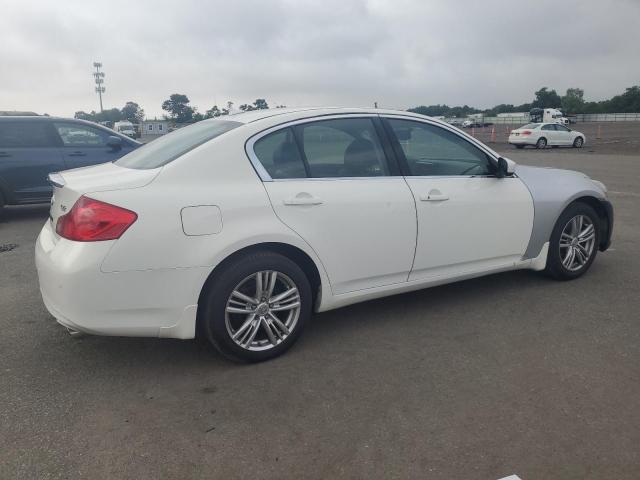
x,y
99,80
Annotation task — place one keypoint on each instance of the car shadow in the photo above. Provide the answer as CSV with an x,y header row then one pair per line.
x,y
325,329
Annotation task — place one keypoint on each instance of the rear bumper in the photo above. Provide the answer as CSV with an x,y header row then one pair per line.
x,y
605,241
521,140
149,303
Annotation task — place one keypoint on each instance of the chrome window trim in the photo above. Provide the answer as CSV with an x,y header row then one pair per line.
x,y
265,177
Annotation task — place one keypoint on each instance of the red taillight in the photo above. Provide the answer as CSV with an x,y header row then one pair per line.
x,y
91,220
525,132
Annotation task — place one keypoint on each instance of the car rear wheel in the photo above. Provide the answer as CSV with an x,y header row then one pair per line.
x,y
574,242
256,307
541,143
578,142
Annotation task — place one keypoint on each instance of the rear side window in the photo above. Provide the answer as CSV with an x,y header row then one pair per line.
x,y
279,155
175,144
347,147
548,127
26,134
77,135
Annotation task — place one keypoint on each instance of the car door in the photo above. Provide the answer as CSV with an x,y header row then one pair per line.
x,y
548,131
28,153
469,221
563,135
331,182
84,145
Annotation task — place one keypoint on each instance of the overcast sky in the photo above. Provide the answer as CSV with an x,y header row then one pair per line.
x,y
400,53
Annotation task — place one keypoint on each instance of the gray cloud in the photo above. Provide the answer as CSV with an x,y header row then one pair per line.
x,y
352,52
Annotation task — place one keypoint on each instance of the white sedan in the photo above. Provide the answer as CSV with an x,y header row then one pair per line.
x,y
236,229
542,135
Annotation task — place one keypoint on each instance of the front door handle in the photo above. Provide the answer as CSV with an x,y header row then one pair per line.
x,y
77,154
302,199
434,196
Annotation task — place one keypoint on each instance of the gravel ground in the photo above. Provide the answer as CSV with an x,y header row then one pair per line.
x,y
508,374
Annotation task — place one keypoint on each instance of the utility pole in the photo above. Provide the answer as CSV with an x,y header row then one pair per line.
x,y
99,80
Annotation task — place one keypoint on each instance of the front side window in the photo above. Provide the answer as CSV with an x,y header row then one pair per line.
x,y
346,147
433,151
561,128
81,136
26,134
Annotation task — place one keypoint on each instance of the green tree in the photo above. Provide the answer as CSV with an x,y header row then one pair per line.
x,y
260,104
178,107
573,100
546,98
132,112
213,112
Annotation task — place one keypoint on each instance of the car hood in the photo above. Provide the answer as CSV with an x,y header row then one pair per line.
x,y
568,181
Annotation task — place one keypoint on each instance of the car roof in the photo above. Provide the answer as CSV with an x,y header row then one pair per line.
x,y
305,112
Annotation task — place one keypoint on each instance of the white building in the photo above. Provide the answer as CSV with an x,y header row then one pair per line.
x,y
154,127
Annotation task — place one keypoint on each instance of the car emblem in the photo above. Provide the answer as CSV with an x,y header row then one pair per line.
x,y
63,208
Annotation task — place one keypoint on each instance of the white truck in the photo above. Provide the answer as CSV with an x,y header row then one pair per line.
x,y
125,128
548,115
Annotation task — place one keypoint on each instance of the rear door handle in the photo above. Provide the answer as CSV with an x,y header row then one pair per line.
x,y
77,154
434,197
302,200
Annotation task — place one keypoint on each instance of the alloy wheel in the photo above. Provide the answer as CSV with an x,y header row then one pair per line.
x,y
577,242
262,310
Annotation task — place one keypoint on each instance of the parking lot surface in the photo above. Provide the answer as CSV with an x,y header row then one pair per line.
x,y
507,374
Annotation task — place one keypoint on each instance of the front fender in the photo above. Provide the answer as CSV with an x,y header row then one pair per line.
x,y
552,191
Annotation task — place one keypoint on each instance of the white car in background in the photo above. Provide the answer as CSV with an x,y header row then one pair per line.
x,y
541,135
237,229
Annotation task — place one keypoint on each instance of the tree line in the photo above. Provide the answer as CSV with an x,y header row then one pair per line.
x,y
572,102
178,110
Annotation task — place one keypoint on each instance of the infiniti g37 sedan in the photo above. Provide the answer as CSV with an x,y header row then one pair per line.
x,y
237,229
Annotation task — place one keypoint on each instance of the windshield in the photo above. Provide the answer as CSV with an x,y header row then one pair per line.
x,y
169,147
531,126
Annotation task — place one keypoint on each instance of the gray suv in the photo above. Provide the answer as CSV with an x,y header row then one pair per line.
x,y
31,147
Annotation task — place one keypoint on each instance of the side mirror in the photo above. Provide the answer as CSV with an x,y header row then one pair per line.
x,y
505,168
114,142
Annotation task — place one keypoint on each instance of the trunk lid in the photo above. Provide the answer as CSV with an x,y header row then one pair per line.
x,y
70,185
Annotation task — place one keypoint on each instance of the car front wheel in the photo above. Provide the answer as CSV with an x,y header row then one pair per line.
x,y
578,142
574,242
256,307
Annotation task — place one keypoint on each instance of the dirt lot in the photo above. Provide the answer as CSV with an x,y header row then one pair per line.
x,y
606,137
507,374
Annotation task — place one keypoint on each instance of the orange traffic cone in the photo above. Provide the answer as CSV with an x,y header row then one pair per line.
x,y
493,134
599,134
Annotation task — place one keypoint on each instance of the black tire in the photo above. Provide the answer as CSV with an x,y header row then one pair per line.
x,y
578,142
212,317
541,143
519,147
555,267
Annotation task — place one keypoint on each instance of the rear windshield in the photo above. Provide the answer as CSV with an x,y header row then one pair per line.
x,y
169,147
532,126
